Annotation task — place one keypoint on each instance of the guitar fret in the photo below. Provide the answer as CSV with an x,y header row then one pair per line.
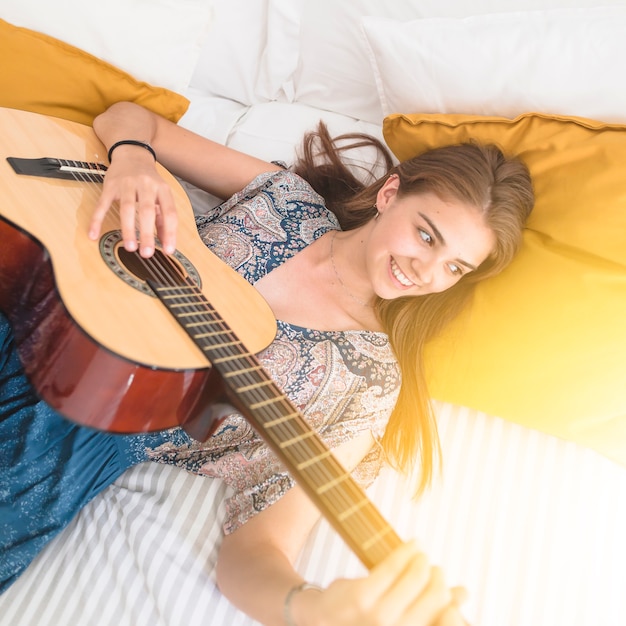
x,y
227,344
196,310
180,299
215,333
185,305
290,442
192,314
263,383
353,509
333,483
314,460
226,359
179,288
376,537
280,420
245,370
266,402
195,324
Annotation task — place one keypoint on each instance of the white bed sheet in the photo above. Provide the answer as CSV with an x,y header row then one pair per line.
x,y
531,524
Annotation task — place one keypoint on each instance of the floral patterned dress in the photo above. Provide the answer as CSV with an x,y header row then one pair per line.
x,y
344,382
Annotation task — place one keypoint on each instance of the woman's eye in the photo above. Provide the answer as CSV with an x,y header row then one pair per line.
x,y
455,269
426,237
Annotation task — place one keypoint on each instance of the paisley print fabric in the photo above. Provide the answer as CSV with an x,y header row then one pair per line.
x,y
343,382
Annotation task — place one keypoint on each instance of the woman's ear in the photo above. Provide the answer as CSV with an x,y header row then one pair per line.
x,y
387,192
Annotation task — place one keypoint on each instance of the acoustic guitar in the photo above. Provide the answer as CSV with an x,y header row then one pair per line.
x,y
125,344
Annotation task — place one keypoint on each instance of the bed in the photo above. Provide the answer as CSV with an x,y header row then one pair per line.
x,y
529,386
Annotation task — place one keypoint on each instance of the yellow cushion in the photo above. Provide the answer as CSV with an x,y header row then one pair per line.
x,y
544,344
45,75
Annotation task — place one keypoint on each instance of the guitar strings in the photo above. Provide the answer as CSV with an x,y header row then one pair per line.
x,y
344,496
163,270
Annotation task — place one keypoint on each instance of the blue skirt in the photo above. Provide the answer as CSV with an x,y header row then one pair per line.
x,y
49,467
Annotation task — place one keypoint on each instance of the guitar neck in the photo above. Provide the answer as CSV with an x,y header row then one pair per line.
x,y
308,459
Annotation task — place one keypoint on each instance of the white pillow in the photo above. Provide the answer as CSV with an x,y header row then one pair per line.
x,y
226,67
560,62
252,51
333,72
274,131
157,41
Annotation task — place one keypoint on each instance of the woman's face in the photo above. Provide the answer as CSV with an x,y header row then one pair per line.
x,y
421,244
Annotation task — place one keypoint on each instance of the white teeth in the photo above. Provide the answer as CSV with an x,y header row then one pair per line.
x,y
399,275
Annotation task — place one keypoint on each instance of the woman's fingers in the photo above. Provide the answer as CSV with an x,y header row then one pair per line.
x,y
459,595
406,565
128,215
394,587
167,223
432,602
146,205
405,589
99,213
395,583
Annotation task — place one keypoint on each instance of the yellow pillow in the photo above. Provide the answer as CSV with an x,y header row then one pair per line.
x,y
544,344
45,75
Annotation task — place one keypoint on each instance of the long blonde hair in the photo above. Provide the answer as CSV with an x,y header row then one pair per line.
x,y
475,174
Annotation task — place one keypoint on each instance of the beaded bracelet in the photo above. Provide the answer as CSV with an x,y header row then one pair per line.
x,y
292,592
132,142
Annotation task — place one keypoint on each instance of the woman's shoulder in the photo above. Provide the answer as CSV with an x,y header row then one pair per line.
x,y
282,194
274,217
279,203
285,187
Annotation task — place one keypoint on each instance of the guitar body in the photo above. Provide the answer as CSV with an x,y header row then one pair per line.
x,y
95,343
119,343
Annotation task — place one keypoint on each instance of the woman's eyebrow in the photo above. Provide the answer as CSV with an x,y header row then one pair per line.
x,y
442,241
435,230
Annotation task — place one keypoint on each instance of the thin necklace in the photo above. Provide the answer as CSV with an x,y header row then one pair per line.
x,y
332,261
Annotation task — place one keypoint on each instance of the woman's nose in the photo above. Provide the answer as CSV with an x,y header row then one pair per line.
x,y
426,274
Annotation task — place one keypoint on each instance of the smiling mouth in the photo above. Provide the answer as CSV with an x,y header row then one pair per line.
x,y
399,275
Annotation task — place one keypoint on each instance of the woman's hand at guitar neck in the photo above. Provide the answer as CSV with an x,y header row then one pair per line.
x,y
255,572
403,590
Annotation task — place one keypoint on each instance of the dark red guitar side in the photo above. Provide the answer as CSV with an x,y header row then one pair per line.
x,y
71,371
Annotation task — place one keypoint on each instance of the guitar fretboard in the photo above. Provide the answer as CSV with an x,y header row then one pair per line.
x,y
270,411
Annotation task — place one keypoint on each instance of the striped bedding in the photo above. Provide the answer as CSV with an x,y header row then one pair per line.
x,y
530,524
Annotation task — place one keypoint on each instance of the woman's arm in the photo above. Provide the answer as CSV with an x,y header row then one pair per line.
x,y
255,571
255,564
133,180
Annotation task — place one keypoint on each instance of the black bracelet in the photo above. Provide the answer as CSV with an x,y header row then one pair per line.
x,y
132,142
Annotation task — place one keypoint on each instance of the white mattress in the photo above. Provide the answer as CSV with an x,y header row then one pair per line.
x,y
532,525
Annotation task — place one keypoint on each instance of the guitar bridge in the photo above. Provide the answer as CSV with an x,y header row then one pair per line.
x,y
48,167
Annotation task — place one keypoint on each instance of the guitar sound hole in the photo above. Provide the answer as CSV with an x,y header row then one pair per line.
x,y
132,268
136,265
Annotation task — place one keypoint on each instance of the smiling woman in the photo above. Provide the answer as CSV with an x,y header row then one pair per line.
x,y
353,307
438,223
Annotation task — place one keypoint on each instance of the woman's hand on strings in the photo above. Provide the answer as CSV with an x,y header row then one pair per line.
x,y
403,590
145,201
